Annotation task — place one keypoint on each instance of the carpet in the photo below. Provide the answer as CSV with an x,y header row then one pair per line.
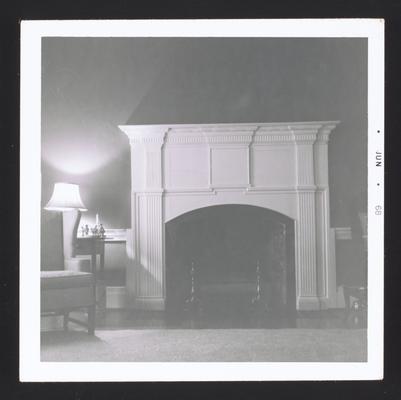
x,y
224,345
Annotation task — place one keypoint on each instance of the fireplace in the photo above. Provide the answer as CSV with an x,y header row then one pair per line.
x,y
280,168
233,259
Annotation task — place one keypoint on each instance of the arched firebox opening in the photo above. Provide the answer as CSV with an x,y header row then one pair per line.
x,y
230,260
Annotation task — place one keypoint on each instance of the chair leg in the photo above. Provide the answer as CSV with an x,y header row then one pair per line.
x,y
91,319
65,320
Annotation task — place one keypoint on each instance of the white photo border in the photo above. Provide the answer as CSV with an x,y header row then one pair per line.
x,y
31,368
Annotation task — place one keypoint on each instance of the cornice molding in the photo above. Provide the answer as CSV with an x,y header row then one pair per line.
x,y
256,133
149,134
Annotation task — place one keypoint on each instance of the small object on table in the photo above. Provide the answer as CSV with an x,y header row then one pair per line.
x,y
102,231
95,231
98,231
86,229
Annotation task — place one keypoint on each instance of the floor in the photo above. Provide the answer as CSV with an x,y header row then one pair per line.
x,y
210,345
328,319
260,335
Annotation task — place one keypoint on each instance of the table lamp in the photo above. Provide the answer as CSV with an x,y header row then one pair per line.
x,y
66,198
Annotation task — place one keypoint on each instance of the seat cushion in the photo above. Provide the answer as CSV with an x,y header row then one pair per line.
x,y
78,263
65,279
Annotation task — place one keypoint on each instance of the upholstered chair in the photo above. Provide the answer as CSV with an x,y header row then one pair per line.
x,y
70,290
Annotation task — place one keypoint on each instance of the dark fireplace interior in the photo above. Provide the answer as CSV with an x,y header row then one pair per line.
x,y
230,262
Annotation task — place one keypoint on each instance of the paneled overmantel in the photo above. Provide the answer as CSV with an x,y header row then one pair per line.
x,y
280,166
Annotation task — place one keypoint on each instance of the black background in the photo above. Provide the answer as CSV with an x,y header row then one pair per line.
x,y
10,15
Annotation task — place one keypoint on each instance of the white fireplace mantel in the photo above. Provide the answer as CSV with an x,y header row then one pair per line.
x,y
280,166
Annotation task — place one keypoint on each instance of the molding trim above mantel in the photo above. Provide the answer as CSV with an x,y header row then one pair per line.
x,y
241,134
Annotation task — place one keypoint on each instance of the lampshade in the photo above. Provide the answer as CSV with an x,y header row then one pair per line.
x,y
65,197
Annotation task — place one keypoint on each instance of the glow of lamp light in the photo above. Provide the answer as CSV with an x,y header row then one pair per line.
x,y
71,154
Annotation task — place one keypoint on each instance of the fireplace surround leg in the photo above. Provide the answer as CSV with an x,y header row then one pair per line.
x,y
150,257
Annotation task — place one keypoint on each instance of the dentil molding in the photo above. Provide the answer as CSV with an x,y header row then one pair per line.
x,y
243,133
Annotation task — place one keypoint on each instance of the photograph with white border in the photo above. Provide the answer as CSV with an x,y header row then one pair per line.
x,y
201,200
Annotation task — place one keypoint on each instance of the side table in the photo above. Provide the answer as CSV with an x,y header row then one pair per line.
x,y
356,311
95,246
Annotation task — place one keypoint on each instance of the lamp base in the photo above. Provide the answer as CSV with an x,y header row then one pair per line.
x,y
70,227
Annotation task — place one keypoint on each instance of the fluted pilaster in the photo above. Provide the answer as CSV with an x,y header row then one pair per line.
x,y
150,268
306,251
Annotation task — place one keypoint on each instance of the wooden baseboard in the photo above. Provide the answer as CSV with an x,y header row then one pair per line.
x,y
116,297
148,303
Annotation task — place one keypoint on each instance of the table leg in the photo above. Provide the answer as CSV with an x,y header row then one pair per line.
x,y
65,320
101,265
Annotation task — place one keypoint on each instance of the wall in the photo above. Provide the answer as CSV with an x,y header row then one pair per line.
x,y
91,85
